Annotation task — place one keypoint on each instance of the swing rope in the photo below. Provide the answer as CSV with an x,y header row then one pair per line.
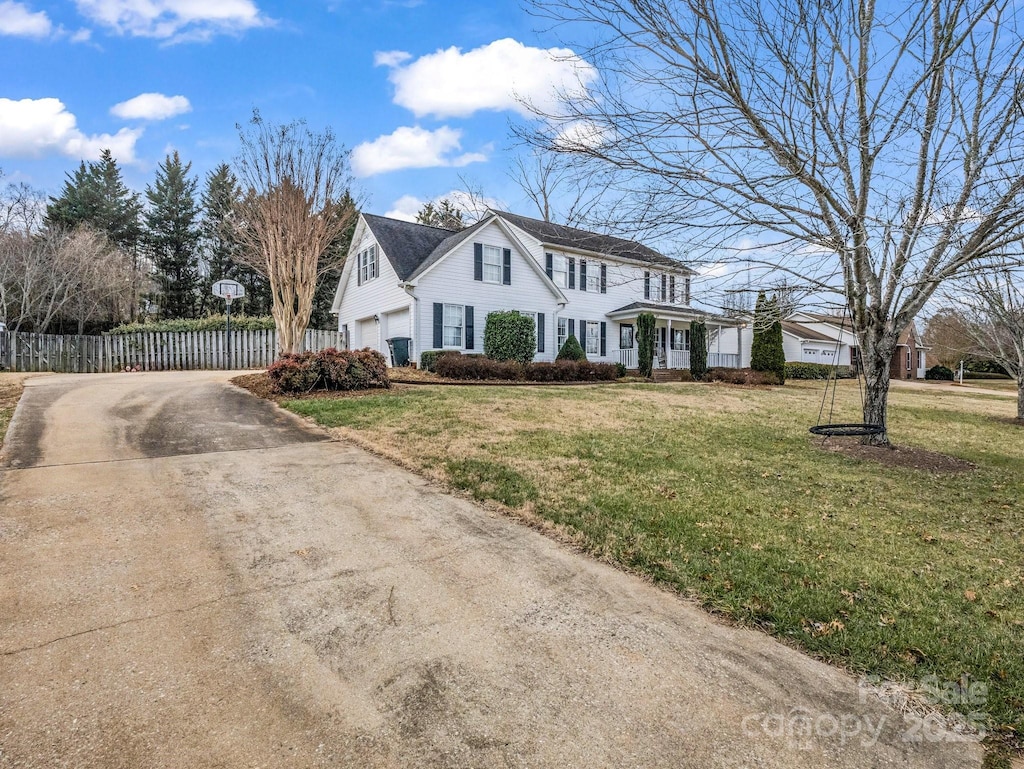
x,y
832,429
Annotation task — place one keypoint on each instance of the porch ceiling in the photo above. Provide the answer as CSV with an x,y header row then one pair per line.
x,y
671,312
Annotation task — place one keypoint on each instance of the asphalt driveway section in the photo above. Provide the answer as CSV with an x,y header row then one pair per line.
x,y
176,590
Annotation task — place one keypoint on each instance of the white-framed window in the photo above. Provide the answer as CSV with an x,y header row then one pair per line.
x,y
563,332
680,339
594,277
560,270
626,336
453,320
908,360
686,291
492,264
366,262
593,338
920,358
536,332
655,291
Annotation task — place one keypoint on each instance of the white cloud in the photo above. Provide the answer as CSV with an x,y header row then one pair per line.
x,y
390,58
81,36
498,76
405,208
18,21
174,20
151,106
412,147
36,127
472,206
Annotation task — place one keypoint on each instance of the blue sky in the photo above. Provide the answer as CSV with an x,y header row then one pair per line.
x,y
427,83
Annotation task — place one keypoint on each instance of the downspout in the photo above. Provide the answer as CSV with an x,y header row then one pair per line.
x,y
414,322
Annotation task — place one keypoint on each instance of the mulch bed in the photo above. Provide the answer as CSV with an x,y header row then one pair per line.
x,y
897,456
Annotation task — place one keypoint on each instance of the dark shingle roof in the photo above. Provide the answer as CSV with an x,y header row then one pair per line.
x,y
406,244
803,332
680,309
570,237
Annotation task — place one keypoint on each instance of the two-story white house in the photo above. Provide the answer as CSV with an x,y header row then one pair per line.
x,y
436,287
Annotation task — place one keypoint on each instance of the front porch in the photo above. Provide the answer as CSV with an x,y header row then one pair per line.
x,y
672,337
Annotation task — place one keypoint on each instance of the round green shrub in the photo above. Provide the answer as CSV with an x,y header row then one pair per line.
x,y
940,373
509,336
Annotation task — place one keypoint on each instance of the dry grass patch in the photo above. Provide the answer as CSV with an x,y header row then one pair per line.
x,y
11,387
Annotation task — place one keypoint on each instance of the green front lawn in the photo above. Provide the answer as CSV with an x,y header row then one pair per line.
x,y
721,493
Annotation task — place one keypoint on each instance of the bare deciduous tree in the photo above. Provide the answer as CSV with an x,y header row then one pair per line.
x,y
994,322
296,206
78,275
879,150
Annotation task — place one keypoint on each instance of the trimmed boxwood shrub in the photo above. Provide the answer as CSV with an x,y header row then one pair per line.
x,y
509,336
940,373
329,369
428,358
801,370
743,376
477,367
571,349
571,371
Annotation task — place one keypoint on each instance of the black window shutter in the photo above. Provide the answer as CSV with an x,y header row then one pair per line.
x,y
582,338
604,279
549,264
438,325
478,261
583,274
506,267
572,328
572,273
540,332
604,338
664,288
469,327
359,272
647,285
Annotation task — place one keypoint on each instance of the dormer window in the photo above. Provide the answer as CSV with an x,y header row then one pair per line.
x,y
366,264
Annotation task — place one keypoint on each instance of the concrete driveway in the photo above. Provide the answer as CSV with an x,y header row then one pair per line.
x,y
190,577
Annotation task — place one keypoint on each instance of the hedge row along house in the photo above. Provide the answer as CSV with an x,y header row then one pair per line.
x,y
435,288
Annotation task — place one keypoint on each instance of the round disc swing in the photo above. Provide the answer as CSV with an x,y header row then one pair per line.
x,y
830,429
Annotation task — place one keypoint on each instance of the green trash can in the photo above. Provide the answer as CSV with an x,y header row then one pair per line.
x,y
399,346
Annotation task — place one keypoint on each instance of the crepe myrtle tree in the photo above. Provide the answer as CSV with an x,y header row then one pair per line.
x,y
873,151
296,207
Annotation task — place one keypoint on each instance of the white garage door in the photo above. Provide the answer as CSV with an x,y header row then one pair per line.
x,y
811,355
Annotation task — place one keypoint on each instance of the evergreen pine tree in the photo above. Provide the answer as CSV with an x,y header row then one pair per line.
x,y
759,346
698,350
172,238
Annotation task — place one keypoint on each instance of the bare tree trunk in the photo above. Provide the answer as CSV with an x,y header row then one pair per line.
x,y
1020,397
877,347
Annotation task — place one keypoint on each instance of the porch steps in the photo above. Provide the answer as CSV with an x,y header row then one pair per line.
x,y
662,375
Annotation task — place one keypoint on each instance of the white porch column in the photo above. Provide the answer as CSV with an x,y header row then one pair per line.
x,y
668,343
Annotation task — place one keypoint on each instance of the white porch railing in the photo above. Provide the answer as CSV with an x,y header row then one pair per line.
x,y
723,360
680,359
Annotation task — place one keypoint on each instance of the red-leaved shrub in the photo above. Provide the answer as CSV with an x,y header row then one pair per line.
x,y
329,369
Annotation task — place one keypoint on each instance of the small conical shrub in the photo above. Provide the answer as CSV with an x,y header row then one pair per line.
x,y
571,350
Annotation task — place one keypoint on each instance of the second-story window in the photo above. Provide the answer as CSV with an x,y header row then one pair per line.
x,y
492,264
366,263
594,277
560,270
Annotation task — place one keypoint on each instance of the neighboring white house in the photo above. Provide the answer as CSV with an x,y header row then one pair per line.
x,y
815,338
437,286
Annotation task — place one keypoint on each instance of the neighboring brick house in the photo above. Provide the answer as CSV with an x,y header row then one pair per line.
x,y
910,359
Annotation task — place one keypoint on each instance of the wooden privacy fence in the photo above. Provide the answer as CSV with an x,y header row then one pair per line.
x,y
149,351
